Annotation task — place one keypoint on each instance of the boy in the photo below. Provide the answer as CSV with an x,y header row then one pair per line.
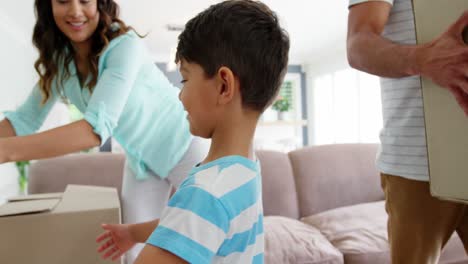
x,y
232,57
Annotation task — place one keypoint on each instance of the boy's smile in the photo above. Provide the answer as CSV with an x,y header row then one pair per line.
x,y
199,97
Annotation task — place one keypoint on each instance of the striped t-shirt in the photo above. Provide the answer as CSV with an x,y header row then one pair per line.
x,y
403,138
216,215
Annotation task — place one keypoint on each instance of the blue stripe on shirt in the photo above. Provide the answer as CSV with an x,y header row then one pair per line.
x,y
190,181
240,241
241,198
186,248
203,204
258,259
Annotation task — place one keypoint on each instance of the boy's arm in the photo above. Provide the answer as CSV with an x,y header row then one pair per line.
x,y
118,238
140,232
151,254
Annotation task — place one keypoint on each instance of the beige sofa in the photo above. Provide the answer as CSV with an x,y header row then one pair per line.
x,y
333,189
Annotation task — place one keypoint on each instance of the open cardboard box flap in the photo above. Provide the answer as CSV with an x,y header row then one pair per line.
x,y
75,198
33,227
30,206
41,196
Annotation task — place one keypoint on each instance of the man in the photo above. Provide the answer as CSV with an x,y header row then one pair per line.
x,y
382,41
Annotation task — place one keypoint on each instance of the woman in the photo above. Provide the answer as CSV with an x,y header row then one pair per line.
x,y
89,57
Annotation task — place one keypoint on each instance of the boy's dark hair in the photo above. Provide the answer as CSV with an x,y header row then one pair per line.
x,y
244,36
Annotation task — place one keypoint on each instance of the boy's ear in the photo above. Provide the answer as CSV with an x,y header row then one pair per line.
x,y
228,85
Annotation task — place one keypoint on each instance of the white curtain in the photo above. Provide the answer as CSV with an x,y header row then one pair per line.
x,y
346,108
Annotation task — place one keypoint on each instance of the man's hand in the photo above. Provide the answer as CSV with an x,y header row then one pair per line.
x,y
445,61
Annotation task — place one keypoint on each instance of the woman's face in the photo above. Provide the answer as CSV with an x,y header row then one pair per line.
x,y
77,19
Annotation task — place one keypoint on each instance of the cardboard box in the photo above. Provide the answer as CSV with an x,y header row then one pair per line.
x,y
446,124
58,228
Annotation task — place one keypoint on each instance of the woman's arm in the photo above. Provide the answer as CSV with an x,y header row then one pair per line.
x,y
6,129
107,103
55,142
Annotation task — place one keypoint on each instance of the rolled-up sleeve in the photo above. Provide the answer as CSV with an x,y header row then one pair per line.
x,y
30,116
121,65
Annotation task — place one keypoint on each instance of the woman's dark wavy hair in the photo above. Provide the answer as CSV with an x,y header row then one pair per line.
x,y
55,48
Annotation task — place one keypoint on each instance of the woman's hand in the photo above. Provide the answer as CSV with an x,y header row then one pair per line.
x,y
117,240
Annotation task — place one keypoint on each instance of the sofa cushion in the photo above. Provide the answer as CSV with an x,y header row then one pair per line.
x,y
359,231
333,176
288,241
279,188
453,252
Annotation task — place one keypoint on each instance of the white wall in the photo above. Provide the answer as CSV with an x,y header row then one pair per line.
x,y
18,75
330,61
17,63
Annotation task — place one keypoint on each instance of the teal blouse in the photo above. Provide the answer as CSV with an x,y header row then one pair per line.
x,y
133,102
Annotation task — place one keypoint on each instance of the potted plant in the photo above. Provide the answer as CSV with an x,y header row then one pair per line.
x,y
281,105
23,175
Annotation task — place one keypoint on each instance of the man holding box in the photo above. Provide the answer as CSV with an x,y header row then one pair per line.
x,y
382,41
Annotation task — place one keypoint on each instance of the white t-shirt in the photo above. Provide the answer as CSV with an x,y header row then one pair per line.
x,y
403,137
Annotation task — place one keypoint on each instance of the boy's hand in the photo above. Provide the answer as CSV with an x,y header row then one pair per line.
x,y
118,240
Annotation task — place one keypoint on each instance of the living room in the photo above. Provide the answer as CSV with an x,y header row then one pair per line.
x,y
317,143
325,100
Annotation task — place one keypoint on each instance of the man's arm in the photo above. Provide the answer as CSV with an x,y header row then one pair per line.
x,y
444,60
370,52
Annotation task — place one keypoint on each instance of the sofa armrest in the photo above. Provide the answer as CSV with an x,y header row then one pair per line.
x,y
53,175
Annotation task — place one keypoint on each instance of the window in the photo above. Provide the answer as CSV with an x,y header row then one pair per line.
x,y
281,126
346,107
